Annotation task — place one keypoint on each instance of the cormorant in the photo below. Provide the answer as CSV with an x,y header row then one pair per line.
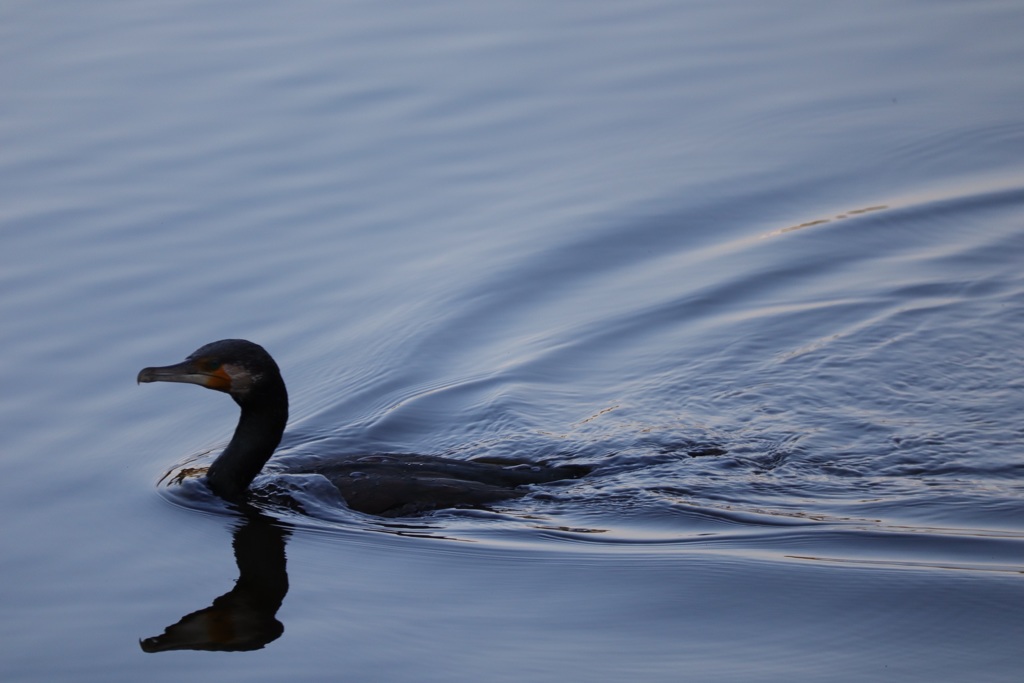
x,y
387,485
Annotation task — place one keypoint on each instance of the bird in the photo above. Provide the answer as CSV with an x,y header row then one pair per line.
x,y
386,485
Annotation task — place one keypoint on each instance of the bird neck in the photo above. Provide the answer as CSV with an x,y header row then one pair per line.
x,y
258,433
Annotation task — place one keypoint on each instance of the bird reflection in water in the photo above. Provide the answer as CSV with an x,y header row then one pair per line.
x,y
244,618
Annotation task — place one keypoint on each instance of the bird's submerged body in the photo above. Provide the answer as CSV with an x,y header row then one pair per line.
x,y
387,485
398,484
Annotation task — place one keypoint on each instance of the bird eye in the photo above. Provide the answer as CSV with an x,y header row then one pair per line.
x,y
209,365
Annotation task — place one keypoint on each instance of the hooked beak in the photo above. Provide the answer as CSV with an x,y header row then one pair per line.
x,y
188,372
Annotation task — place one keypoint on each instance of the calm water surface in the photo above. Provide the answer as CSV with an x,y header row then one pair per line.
x,y
759,265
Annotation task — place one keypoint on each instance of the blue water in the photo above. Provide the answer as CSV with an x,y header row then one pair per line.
x,y
758,264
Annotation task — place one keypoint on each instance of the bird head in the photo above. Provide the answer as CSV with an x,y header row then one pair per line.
x,y
234,366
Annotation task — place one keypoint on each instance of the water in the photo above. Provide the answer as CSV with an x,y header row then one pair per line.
x,y
757,264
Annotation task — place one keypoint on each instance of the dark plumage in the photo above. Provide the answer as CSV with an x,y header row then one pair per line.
x,y
388,485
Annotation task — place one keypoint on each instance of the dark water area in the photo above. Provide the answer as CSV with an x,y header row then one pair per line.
x,y
759,266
